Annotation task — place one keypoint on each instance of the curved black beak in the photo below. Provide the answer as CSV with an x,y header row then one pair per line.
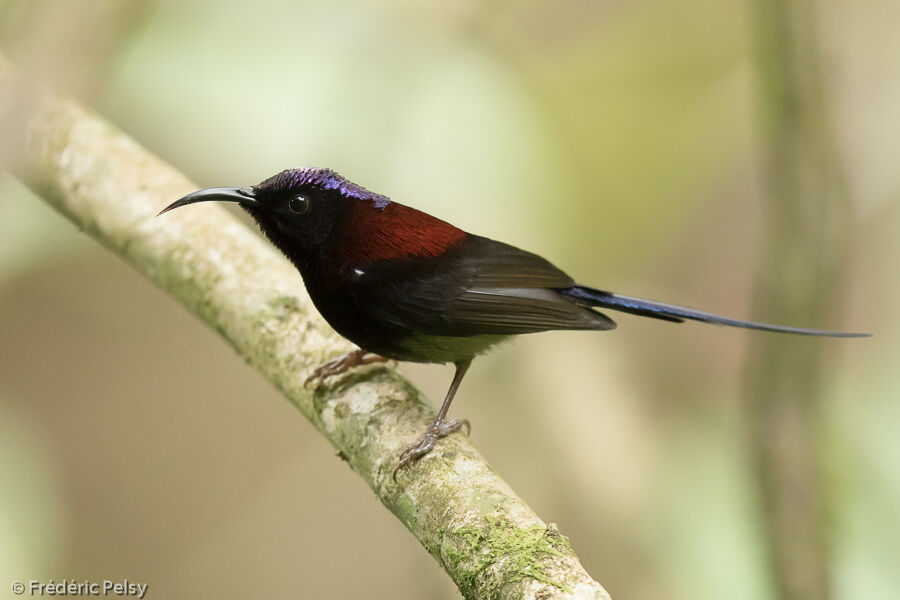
x,y
243,196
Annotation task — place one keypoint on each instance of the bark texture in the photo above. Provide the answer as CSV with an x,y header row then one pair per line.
x,y
483,535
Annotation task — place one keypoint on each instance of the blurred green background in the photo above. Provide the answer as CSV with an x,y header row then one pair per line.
x,y
621,140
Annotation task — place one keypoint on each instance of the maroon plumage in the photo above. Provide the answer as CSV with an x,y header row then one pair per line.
x,y
394,232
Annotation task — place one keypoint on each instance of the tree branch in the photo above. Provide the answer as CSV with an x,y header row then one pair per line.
x,y
485,537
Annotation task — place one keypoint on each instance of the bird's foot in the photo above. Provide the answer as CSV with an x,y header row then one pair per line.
x,y
425,444
342,364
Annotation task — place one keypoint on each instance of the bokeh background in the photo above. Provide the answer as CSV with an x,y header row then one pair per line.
x,y
624,141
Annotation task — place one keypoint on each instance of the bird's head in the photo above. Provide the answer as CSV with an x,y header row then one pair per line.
x,y
296,209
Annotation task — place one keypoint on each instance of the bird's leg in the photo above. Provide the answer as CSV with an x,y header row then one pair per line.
x,y
439,428
343,363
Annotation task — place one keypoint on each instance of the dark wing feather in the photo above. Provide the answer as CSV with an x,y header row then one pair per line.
x,y
480,287
498,265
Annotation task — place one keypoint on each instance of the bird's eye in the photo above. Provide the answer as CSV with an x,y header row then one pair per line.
x,y
298,204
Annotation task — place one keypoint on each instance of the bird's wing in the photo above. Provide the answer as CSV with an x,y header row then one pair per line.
x,y
480,287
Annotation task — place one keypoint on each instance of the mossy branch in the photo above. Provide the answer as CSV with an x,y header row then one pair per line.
x,y
483,535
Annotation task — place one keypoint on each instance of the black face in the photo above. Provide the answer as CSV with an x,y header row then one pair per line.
x,y
296,219
296,209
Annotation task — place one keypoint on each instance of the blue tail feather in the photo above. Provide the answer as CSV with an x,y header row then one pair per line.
x,y
677,314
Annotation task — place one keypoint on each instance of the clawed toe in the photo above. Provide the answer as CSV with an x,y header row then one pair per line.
x,y
455,425
425,444
416,450
323,371
343,364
